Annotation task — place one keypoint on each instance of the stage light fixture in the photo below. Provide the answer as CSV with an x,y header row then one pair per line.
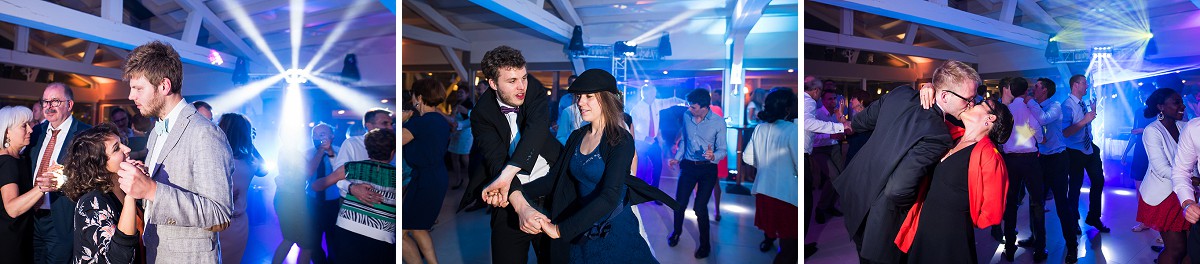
x,y
664,45
295,76
241,72
624,48
1151,45
350,68
1052,50
576,44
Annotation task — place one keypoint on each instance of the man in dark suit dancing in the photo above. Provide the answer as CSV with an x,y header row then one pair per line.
x,y
881,183
511,126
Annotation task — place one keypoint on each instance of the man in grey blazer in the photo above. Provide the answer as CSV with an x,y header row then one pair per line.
x,y
184,184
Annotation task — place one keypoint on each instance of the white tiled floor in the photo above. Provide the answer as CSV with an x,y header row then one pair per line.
x,y
464,237
1119,246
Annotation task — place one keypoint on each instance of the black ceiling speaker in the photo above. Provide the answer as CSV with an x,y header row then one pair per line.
x,y
576,44
350,68
241,72
664,45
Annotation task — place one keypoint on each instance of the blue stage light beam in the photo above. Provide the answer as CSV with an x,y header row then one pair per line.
x,y
238,96
251,30
357,101
355,9
296,22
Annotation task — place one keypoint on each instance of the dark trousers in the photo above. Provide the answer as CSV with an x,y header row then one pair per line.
x,y
350,247
1193,243
693,174
1025,173
327,220
809,187
829,164
53,233
1091,164
1054,169
510,244
656,162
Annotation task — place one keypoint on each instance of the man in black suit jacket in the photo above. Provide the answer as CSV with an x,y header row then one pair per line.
x,y
511,126
880,185
53,233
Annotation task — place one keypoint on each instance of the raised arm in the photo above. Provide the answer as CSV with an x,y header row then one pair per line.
x,y
94,223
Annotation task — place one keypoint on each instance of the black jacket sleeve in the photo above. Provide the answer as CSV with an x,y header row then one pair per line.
x,y
902,189
534,130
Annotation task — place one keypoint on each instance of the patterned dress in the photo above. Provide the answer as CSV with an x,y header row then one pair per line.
x,y
97,239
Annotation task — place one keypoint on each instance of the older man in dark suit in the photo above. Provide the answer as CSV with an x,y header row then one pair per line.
x,y
881,183
47,147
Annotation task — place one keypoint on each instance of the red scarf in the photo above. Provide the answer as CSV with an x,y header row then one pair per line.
x,y
987,184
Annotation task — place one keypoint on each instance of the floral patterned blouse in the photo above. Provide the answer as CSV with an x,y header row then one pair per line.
x,y
97,239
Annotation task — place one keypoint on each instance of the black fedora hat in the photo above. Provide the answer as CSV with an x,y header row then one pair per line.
x,y
593,81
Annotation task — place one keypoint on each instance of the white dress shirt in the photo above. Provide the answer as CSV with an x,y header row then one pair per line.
x,y
1185,161
1160,149
813,125
822,139
163,128
541,167
61,139
1026,130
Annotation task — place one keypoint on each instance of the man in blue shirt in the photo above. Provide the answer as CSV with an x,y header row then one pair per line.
x,y
700,149
1055,161
1085,155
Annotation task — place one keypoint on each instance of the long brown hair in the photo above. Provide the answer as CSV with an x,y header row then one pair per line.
x,y
87,159
611,111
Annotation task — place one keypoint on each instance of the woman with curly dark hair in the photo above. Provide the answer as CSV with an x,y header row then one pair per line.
x,y
105,229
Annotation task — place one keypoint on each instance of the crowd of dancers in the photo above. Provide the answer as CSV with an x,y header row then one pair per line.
x,y
169,185
569,189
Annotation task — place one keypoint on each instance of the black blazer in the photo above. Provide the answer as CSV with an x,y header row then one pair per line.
x,y
573,212
491,132
881,183
33,154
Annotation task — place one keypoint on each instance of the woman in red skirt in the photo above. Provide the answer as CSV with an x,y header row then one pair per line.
x,y
1159,207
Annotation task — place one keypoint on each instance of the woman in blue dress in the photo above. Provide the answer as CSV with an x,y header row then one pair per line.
x,y
590,190
427,133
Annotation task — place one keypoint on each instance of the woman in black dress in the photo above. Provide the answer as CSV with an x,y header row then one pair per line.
x,y
966,191
427,133
19,195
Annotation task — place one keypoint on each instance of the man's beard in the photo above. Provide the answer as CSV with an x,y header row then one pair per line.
x,y
154,108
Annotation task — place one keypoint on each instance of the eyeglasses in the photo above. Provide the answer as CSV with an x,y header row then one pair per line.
x,y
53,103
969,101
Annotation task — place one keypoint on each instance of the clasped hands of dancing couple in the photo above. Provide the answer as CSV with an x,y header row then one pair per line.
x,y
532,221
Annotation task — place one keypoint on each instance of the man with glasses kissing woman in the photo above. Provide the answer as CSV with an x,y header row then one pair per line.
x,y
882,181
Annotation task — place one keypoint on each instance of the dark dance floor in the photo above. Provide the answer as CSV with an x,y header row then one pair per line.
x,y
1119,246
